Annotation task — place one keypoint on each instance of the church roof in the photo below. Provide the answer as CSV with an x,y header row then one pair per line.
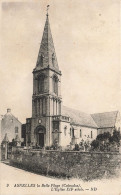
x,y
106,119
97,120
79,118
47,55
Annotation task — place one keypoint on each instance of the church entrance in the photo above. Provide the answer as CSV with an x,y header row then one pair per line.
x,y
41,139
40,136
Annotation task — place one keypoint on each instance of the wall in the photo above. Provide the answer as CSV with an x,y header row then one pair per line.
x,y
85,133
33,124
65,138
84,165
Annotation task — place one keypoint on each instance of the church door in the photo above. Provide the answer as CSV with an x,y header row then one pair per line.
x,y
41,140
40,135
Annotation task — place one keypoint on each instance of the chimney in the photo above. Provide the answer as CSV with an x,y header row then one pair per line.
x,y
8,110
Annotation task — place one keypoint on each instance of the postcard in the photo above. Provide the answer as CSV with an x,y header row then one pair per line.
x,y
60,92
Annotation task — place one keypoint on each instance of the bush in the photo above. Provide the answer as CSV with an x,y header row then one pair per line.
x,y
95,144
104,136
106,142
116,137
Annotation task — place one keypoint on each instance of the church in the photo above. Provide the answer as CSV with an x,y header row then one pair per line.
x,y
51,121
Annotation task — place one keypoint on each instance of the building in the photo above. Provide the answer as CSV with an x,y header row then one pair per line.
x,y
10,127
51,122
107,121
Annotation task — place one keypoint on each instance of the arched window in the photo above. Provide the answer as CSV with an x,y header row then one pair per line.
x,y
41,84
70,131
35,105
73,133
65,130
80,133
55,85
16,129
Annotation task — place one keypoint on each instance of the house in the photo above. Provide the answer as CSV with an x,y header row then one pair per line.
x,y
10,126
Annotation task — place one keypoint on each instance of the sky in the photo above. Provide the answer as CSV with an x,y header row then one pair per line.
x,y
86,36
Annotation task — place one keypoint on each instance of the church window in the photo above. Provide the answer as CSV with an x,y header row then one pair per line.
x,y
43,106
55,85
80,133
70,131
56,126
40,121
53,59
41,84
73,132
39,107
91,134
56,107
65,130
16,129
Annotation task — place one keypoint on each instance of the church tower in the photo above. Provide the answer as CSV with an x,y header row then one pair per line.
x,y
46,98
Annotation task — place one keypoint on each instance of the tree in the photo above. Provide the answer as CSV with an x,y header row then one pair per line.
x,y
95,144
105,141
103,137
115,138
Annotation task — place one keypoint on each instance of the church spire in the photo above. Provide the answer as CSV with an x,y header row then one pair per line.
x,y
47,9
47,55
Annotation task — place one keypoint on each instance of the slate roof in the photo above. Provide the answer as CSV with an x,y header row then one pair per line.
x,y
106,119
78,117
47,50
97,120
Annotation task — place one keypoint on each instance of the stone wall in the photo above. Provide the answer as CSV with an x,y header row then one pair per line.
x,y
84,165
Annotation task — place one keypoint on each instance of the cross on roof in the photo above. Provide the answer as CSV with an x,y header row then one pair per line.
x,y
47,9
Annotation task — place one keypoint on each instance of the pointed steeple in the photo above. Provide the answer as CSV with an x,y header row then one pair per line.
x,y
47,55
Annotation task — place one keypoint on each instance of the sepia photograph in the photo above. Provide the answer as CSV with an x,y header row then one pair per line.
x,y
60,93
